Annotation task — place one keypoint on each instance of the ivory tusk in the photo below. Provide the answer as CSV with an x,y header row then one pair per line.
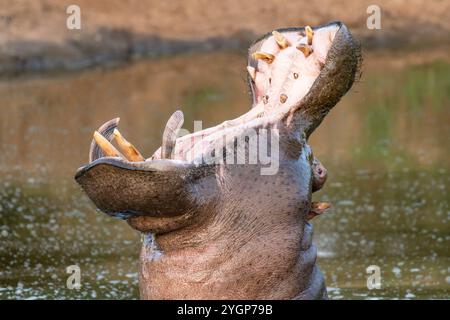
x,y
267,57
129,151
309,34
307,50
281,40
106,146
170,134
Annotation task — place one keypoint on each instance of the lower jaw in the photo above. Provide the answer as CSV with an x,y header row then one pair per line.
x,y
159,225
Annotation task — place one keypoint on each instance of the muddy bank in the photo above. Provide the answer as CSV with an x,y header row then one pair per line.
x,y
35,36
114,47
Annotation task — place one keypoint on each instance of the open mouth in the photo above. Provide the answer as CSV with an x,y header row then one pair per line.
x,y
285,65
295,76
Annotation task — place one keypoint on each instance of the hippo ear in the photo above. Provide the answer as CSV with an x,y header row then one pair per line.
x,y
158,188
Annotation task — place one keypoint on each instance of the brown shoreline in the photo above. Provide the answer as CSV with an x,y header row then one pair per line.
x,y
34,36
72,57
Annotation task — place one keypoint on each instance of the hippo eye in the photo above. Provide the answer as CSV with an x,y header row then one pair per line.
x,y
303,136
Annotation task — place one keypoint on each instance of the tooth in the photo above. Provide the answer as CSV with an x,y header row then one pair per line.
x,y
106,146
170,134
309,34
283,98
305,49
267,57
106,130
251,72
130,151
318,208
283,43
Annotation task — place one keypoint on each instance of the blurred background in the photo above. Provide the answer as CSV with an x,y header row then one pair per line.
x,y
386,144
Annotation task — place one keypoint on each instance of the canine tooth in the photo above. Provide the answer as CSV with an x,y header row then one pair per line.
x,y
283,98
129,151
251,72
267,57
106,146
309,34
307,50
281,40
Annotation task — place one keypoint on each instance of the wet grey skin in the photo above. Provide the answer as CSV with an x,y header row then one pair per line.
x,y
225,231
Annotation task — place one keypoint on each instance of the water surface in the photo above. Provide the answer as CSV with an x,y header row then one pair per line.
x,y
386,147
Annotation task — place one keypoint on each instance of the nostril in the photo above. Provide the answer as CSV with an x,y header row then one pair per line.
x,y
319,171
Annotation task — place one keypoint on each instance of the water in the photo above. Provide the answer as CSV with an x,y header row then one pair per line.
x,y
386,147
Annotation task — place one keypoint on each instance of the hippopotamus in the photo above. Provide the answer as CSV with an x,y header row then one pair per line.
x,y
218,220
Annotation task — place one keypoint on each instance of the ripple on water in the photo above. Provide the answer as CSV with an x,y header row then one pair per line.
x,y
386,148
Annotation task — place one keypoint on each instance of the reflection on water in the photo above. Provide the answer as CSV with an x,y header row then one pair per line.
x,y
386,147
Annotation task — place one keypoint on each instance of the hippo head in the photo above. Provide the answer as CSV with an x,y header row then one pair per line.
x,y
225,210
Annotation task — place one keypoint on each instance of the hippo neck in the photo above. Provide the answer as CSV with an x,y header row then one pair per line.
x,y
228,259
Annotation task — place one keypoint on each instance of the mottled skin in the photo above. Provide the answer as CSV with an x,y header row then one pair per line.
x,y
224,231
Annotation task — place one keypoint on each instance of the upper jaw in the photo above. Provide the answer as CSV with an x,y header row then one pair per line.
x,y
297,57
293,83
291,89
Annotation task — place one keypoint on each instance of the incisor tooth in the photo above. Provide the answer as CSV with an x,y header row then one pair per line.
x,y
309,34
106,130
106,146
307,50
129,151
281,40
267,57
251,72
